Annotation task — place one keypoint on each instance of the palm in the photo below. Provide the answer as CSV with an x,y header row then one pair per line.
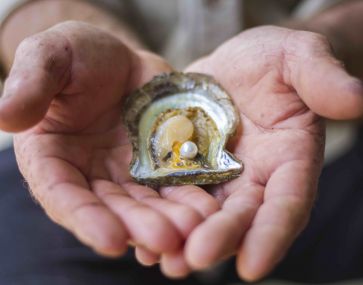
x,y
76,157
270,73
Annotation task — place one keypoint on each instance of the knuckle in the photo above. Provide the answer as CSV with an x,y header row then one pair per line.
x,y
27,43
312,43
46,48
84,207
310,37
32,44
209,207
189,215
70,24
46,56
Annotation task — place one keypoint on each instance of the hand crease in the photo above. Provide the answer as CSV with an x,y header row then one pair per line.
x,y
86,205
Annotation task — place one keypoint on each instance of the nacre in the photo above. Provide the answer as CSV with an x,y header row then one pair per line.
x,y
179,124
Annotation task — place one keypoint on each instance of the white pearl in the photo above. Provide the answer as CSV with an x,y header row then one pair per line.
x,y
188,150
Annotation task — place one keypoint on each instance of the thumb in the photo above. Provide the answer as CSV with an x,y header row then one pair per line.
x,y
40,71
322,82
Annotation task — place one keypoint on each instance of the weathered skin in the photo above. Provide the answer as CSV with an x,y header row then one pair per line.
x,y
65,93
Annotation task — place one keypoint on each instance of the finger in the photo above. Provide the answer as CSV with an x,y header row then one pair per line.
x,y
146,226
68,201
184,218
320,80
41,70
146,257
220,235
174,265
192,196
288,199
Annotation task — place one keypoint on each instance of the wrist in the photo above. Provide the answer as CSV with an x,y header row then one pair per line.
x,y
42,14
339,24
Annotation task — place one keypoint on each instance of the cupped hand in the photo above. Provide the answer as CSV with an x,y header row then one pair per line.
x,y
281,81
64,97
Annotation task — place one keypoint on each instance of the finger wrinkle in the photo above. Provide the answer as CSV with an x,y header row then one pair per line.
x,y
183,217
131,187
85,206
104,195
44,192
192,196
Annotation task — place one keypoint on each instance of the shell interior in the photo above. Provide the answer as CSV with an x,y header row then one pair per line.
x,y
191,97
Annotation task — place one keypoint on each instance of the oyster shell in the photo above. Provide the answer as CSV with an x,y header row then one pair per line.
x,y
179,124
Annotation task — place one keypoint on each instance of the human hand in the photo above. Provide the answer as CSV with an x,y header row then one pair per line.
x,y
281,81
340,24
64,93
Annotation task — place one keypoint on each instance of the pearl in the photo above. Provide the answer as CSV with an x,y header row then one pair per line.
x,y
188,150
175,129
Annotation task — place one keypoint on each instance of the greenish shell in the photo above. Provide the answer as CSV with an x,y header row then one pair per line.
x,y
213,113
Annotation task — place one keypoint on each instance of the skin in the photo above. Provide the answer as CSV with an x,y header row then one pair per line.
x,y
269,72
64,94
282,81
66,89
14,31
340,24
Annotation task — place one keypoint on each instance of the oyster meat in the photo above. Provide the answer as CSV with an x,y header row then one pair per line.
x,y
179,124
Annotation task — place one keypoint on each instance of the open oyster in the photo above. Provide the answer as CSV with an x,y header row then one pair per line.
x,y
179,124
